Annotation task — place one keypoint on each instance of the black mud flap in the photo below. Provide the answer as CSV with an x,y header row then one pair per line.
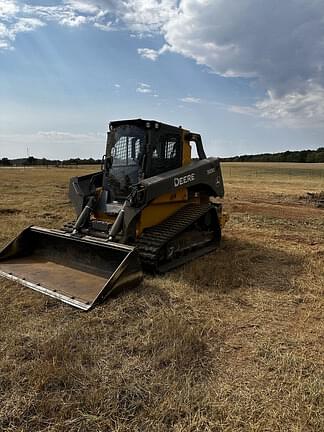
x,y
80,271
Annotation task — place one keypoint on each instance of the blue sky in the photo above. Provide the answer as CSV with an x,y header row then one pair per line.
x,y
248,75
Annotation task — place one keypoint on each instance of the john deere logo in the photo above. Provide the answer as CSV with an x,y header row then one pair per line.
x,y
178,181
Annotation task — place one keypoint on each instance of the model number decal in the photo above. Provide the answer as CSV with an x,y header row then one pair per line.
x,y
211,171
178,181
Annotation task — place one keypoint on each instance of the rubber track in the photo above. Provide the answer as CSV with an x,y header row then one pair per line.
x,y
153,239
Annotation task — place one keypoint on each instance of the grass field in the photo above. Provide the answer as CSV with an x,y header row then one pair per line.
x,y
231,342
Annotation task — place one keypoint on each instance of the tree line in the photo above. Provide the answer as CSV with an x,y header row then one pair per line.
x,y
32,161
302,156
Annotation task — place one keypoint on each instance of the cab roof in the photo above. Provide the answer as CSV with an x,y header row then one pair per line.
x,y
142,123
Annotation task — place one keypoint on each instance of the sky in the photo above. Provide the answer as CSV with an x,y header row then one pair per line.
x,y
248,75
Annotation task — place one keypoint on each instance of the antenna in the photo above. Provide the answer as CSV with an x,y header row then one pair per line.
x,y
27,152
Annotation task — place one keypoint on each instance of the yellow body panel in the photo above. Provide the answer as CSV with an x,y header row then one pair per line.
x,y
179,196
161,208
186,155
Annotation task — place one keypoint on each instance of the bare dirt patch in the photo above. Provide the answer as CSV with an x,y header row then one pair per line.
x,y
314,198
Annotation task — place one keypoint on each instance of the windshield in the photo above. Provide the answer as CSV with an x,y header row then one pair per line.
x,y
126,145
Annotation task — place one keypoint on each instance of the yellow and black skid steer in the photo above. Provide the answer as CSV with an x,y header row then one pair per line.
x,y
150,207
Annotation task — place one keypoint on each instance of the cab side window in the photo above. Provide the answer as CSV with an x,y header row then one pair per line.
x,y
171,149
166,154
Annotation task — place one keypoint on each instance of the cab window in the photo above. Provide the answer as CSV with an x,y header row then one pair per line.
x,y
166,154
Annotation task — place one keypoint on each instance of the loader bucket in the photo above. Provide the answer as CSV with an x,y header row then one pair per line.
x,y
81,271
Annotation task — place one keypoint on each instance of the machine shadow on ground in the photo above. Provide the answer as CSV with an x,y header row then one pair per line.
x,y
242,264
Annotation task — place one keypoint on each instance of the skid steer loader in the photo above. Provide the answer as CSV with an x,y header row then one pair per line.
x,y
149,207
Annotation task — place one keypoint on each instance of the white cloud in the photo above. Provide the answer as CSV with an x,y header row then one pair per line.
x,y
143,88
8,8
105,27
137,16
4,45
70,13
17,17
74,21
294,110
117,86
148,53
9,30
152,54
280,44
62,136
25,25
191,99
83,6
242,109
142,16
4,32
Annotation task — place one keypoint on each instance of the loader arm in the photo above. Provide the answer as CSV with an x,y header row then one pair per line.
x,y
206,173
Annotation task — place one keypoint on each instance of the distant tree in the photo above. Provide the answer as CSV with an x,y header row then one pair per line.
x,y
302,156
5,162
319,156
30,160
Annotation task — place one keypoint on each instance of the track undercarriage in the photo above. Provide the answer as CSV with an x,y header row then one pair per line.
x,y
191,232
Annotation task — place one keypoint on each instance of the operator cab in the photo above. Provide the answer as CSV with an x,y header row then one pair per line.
x,y
138,149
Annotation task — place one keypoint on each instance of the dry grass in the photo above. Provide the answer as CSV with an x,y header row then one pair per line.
x,y
230,342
